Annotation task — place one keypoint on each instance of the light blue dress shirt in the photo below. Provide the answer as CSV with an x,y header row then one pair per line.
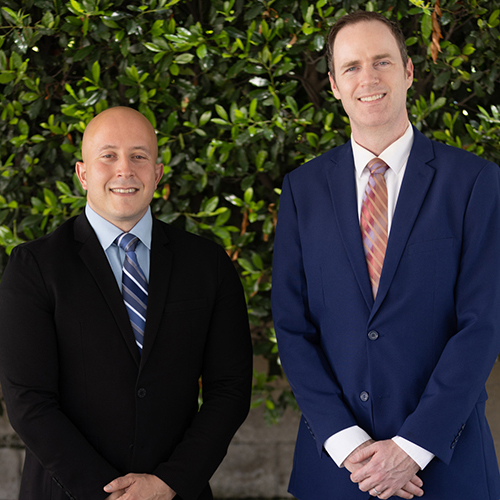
x,y
107,234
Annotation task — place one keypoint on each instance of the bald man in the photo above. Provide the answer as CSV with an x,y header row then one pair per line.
x,y
109,325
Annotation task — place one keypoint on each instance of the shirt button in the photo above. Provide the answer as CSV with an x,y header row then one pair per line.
x,y
141,392
364,396
373,335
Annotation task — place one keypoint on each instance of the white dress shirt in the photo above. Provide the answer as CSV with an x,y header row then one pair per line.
x,y
343,443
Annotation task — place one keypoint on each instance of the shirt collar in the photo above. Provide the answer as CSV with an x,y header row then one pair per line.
x,y
396,155
107,232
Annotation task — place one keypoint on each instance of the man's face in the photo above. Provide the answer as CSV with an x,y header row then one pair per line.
x,y
119,169
370,78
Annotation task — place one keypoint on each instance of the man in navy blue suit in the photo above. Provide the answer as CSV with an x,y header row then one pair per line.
x,y
386,294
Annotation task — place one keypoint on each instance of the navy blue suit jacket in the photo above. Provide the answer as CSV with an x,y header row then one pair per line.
x,y
413,362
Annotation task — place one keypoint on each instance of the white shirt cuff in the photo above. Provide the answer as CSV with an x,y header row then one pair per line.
x,y
419,454
343,443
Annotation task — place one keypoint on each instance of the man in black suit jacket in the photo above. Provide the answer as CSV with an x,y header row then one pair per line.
x,y
100,419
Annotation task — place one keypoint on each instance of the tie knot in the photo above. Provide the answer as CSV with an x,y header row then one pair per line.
x,y
127,241
377,166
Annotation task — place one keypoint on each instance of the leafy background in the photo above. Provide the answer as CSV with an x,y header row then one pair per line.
x,y
239,95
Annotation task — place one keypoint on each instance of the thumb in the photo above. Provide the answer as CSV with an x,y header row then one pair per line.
x,y
120,483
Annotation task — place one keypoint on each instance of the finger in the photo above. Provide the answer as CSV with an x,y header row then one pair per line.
x,y
116,494
362,455
365,472
389,493
408,491
412,489
403,494
417,481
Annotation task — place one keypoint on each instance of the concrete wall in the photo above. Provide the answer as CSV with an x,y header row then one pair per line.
x,y
258,462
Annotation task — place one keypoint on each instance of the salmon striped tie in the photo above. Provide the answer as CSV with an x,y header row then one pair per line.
x,y
374,221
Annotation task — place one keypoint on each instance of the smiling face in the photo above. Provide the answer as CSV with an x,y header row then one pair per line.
x,y
371,81
119,170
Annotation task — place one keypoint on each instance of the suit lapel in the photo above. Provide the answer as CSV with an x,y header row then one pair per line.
x,y
342,184
159,277
95,259
417,180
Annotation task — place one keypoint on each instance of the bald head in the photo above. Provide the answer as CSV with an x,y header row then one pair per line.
x,y
119,169
119,116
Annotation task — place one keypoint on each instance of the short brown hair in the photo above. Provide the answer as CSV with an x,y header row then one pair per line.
x,y
358,17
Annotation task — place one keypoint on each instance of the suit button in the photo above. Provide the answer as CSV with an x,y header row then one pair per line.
x,y
364,396
373,335
141,392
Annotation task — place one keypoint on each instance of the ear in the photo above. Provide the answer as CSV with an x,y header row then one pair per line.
x,y
158,173
409,73
333,86
81,172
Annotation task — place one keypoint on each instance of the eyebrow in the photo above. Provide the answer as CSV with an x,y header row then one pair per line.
x,y
133,148
356,61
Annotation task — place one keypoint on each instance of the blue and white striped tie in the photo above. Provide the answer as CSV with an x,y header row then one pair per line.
x,y
134,287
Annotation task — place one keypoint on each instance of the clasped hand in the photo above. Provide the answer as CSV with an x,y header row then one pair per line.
x,y
385,466
139,487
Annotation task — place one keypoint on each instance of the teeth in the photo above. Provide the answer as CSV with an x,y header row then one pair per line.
x,y
371,98
123,191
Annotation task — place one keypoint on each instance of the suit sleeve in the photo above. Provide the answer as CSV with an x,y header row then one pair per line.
x,y
226,390
458,379
29,378
308,371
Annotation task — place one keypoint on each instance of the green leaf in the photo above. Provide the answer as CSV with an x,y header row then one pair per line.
x,y
49,197
234,200
83,53
426,27
259,82
201,51
29,96
253,108
257,261
221,232
468,49
211,204
248,196
204,118
77,8
184,58
64,188
7,76
221,112
10,15
96,72
261,158
246,265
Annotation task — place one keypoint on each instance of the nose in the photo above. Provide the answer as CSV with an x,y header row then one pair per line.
x,y
125,168
369,76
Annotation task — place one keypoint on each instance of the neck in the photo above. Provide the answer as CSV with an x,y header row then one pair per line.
x,y
379,139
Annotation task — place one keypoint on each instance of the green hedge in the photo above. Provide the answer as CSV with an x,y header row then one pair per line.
x,y
239,94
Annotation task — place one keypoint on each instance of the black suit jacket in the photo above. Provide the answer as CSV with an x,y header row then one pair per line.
x,y
87,405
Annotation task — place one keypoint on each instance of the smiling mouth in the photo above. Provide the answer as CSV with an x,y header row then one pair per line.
x,y
124,190
371,98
